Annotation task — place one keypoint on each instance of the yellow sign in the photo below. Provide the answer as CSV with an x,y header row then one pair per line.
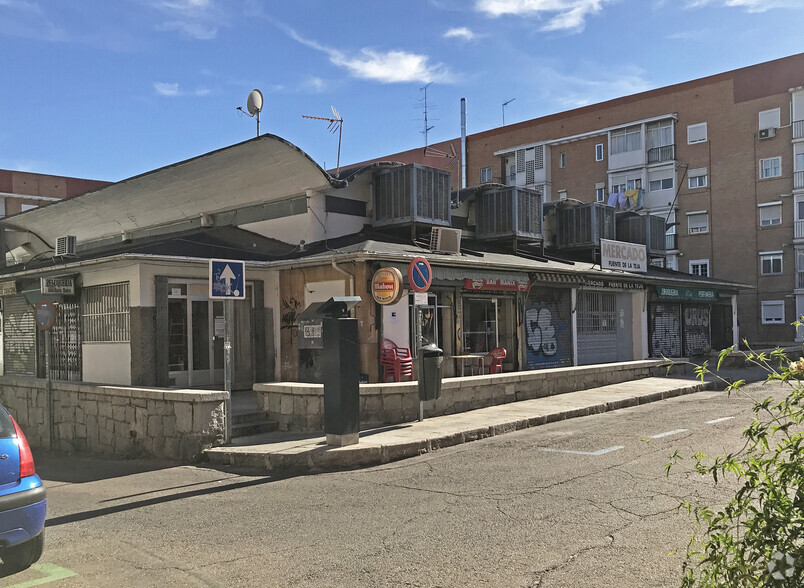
x,y
386,285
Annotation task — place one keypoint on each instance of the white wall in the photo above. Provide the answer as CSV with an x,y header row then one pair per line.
x,y
106,363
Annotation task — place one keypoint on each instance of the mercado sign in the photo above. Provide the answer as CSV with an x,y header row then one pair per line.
x,y
697,294
619,255
497,284
616,284
386,285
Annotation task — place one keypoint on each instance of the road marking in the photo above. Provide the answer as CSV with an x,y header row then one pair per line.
x,y
598,452
668,433
52,573
718,420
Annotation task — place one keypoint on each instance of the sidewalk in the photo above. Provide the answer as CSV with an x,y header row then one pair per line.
x,y
308,453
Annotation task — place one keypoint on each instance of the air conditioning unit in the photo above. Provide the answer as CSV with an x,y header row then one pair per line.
x,y
445,240
768,133
65,245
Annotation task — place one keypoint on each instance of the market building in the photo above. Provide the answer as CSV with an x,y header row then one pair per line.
x,y
127,266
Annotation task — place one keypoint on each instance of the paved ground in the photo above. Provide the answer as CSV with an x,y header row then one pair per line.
x,y
578,502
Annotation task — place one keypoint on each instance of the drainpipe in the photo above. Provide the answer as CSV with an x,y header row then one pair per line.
x,y
340,270
463,142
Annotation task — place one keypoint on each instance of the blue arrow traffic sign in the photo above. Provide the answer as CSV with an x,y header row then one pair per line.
x,y
227,279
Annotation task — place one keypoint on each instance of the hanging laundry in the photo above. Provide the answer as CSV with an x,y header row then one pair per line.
x,y
613,199
633,197
622,201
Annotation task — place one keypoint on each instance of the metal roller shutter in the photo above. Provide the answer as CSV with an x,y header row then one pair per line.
x,y
19,339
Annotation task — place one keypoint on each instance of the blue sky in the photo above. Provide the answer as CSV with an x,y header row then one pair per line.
x,y
107,89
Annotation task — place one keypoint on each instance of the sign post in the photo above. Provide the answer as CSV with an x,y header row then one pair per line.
x,y
420,278
46,313
227,282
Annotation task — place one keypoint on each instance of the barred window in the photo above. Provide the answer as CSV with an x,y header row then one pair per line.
x,y
105,313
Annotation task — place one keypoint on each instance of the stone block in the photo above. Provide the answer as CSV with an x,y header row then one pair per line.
x,y
105,410
286,405
169,426
314,405
184,417
90,408
392,405
154,425
119,412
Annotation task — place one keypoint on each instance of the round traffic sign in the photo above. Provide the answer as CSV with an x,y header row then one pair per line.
x,y
420,274
45,313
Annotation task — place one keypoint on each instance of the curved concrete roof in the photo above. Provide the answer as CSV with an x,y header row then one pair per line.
x,y
263,169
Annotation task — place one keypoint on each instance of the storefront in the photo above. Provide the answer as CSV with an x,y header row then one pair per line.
x,y
680,321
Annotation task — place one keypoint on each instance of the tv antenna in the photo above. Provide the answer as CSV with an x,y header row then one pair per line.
x,y
253,106
427,129
335,124
503,108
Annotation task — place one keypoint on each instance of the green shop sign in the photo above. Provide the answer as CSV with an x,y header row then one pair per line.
x,y
675,293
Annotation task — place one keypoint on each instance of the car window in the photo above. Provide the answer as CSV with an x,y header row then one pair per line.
x,y
6,426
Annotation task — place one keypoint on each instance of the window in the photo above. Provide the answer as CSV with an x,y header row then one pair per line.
x,y
664,184
770,119
697,182
772,312
696,133
599,152
616,188
699,267
512,173
600,194
627,139
562,160
486,175
770,167
659,134
105,313
698,222
771,262
770,214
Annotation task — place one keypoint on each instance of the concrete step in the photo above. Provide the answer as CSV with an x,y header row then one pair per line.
x,y
309,453
251,424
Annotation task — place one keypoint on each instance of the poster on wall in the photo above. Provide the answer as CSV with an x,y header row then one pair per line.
x,y
548,333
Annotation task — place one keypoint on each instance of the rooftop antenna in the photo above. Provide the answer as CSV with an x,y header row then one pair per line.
x,y
253,106
335,124
503,108
427,129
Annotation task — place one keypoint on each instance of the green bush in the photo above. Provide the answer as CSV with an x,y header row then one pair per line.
x,y
757,539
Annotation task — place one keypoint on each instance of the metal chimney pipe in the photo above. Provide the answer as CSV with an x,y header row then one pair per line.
x,y
463,142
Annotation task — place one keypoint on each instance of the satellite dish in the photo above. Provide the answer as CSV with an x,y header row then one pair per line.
x,y
254,103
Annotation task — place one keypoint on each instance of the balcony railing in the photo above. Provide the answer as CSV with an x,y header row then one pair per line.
x,y
663,153
799,229
671,242
798,179
798,129
800,279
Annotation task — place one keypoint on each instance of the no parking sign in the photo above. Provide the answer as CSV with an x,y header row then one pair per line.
x,y
420,274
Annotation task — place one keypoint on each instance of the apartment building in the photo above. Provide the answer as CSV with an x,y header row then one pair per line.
x,y
721,158
21,191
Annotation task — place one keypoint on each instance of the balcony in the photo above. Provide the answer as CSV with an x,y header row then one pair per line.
x,y
799,279
799,229
798,179
798,129
671,242
663,153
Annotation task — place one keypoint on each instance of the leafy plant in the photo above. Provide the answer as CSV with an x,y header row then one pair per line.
x,y
757,538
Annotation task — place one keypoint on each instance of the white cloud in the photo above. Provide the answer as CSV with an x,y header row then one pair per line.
x,y
385,67
172,90
460,33
314,84
748,5
197,19
593,84
166,89
562,14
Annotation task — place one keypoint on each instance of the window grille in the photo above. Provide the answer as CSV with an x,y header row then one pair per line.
x,y
530,174
520,161
538,157
105,313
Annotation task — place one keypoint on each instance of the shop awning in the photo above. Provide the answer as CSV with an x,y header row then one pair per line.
x,y
460,274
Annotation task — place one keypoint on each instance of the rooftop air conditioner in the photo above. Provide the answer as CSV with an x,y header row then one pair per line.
x,y
65,245
768,133
445,240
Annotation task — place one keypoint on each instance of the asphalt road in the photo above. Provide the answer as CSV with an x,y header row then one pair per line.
x,y
584,502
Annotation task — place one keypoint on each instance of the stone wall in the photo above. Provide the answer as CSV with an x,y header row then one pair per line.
x,y
116,421
300,407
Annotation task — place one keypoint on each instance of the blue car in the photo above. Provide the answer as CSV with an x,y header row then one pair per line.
x,y
22,500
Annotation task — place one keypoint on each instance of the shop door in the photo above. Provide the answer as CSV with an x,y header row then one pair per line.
x,y
597,327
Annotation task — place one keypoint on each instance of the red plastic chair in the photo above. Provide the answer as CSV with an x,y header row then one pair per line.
x,y
397,362
492,363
